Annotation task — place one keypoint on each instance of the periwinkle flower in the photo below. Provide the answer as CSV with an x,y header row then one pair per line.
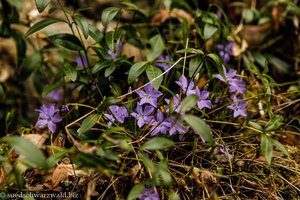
x,y
81,61
160,125
225,51
228,76
223,151
118,113
174,104
238,107
112,54
64,109
55,95
237,85
163,65
149,95
186,86
176,126
48,117
149,194
143,115
203,99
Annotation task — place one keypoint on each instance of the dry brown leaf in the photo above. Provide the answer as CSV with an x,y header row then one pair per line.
x,y
182,15
60,174
36,139
164,14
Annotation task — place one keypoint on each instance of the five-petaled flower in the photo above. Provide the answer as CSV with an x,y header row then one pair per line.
x,y
118,113
160,125
143,115
164,65
48,117
149,95
238,107
186,86
203,96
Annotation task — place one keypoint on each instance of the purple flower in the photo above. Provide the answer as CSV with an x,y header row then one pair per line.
x,y
118,113
48,117
223,151
228,76
79,62
225,51
186,86
113,55
143,116
149,194
203,102
176,126
238,107
237,85
149,95
161,125
163,65
56,95
64,109
174,104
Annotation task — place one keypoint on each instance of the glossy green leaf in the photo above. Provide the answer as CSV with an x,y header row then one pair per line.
x,y
70,70
136,70
188,103
26,148
133,7
41,4
67,41
83,24
200,127
153,72
42,24
29,64
95,33
266,148
135,191
101,64
280,147
112,39
195,65
256,125
217,62
108,71
108,14
20,46
88,123
209,31
156,47
158,143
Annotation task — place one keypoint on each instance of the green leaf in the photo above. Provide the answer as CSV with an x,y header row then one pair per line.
x,y
2,94
274,123
280,64
88,123
112,39
42,24
248,15
158,143
255,125
108,71
153,72
101,64
188,103
42,4
136,70
108,14
200,127
29,64
133,7
95,33
195,65
147,162
209,31
266,148
191,51
55,158
216,61
135,191
280,147
50,88
83,24
26,148
157,45
70,70
20,45
67,41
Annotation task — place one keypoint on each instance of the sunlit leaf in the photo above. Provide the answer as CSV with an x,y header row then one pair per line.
x,y
274,123
108,14
153,72
156,47
209,31
42,24
280,147
42,4
83,24
70,70
88,123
